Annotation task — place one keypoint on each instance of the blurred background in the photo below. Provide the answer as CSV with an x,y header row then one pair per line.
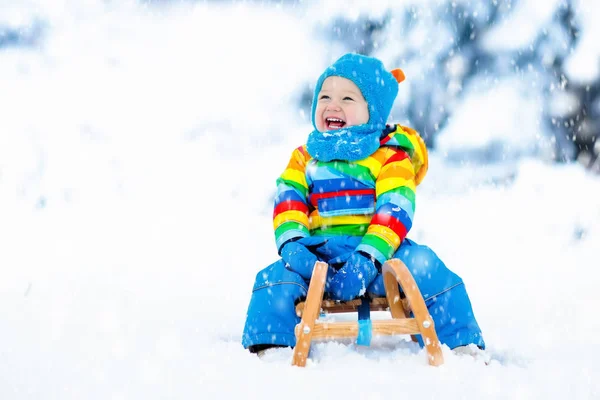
x,y
83,82
531,67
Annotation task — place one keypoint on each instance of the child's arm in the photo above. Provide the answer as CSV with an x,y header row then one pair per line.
x,y
403,168
290,213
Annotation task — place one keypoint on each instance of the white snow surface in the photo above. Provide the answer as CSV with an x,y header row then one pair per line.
x,y
139,149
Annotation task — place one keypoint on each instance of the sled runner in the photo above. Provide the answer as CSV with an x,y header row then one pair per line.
x,y
394,272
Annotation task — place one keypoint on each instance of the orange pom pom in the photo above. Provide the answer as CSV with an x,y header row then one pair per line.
x,y
398,74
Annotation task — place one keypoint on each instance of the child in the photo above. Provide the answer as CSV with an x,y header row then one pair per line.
x,y
347,198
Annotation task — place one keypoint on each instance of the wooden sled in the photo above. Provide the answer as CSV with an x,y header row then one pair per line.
x,y
394,272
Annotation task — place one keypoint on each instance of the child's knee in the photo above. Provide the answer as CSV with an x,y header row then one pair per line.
x,y
277,288
419,259
429,271
277,274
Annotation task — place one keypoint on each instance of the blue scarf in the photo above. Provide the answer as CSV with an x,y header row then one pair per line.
x,y
347,144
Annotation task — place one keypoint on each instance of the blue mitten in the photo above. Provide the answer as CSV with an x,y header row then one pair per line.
x,y
353,278
299,259
377,287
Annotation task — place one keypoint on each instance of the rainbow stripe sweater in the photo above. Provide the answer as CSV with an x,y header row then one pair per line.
x,y
373,198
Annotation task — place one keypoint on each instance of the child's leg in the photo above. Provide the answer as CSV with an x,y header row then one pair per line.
x,y
271,316
444,294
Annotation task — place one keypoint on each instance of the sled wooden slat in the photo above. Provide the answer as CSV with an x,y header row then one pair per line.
x,y
330,330
395,273
333,307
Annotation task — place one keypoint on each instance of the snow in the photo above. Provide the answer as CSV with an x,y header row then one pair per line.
x,y
530,17
583,65
487,116
139,148
523,25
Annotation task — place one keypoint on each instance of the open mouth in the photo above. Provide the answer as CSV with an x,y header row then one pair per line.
x,y
334,123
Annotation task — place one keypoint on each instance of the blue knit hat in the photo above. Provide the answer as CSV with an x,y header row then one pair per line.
x,y
378,86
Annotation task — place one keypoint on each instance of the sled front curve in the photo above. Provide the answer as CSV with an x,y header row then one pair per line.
x,y
312,307
396,272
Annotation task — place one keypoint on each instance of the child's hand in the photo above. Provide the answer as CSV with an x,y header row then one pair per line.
x,y
377,287
353,278
298,259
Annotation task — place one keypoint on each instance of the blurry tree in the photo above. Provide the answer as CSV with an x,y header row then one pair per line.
x,y
19,35
445,46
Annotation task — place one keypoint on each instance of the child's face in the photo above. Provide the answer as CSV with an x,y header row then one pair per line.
x,y
340,104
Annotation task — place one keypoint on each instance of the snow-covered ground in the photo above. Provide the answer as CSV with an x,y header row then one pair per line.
x,y
138,154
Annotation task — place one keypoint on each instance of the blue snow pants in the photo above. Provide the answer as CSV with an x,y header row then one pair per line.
x,y
271,316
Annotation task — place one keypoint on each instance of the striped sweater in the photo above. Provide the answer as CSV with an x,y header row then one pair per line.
x,y
373,198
